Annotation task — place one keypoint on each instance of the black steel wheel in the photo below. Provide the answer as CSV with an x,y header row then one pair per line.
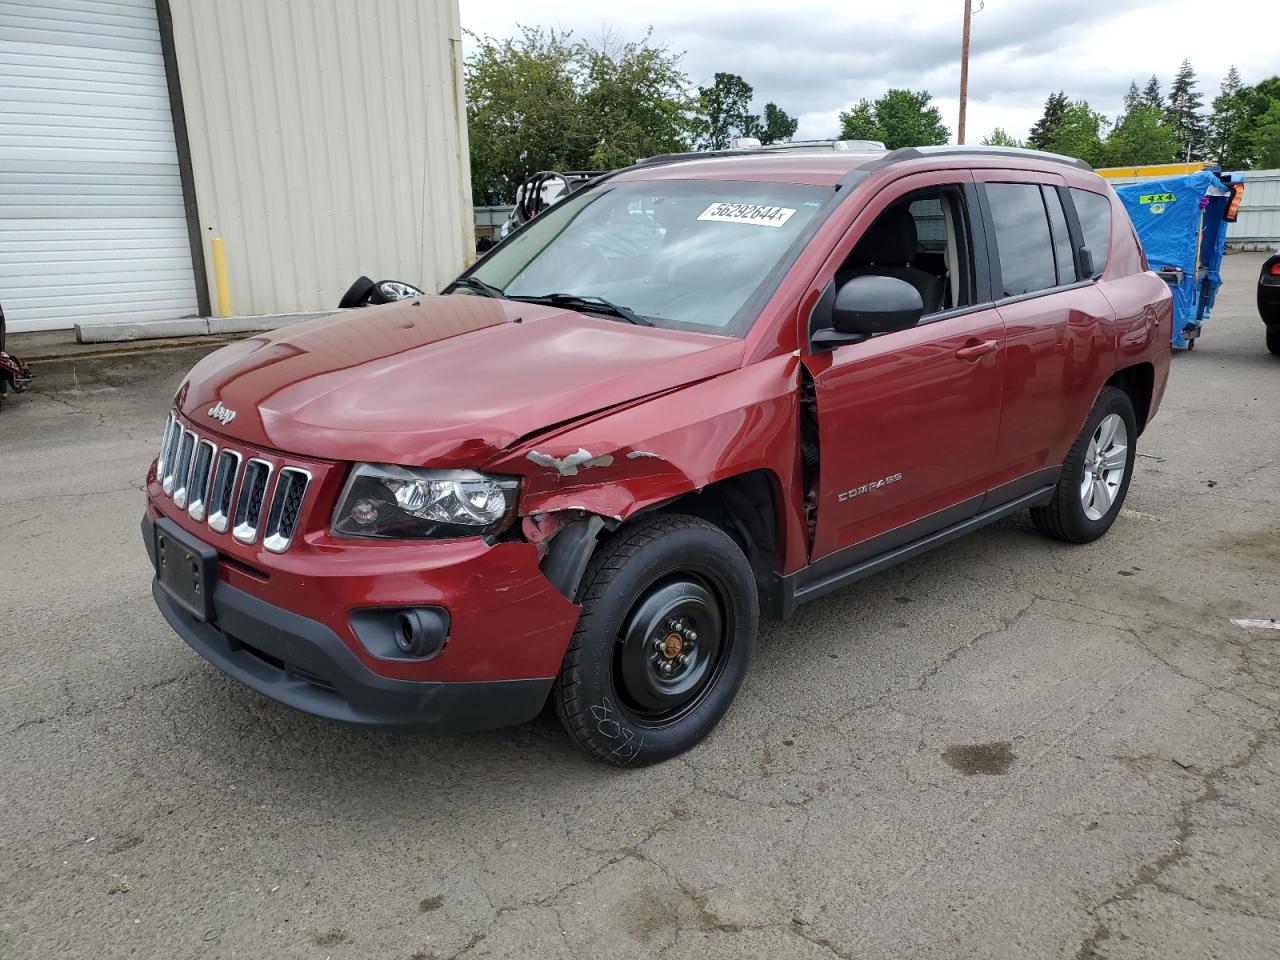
x,y
671,649
668,625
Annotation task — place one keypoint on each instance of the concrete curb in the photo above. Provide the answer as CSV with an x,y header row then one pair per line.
x,y
188,327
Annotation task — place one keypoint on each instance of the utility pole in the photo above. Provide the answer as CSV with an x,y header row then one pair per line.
x,y
964,70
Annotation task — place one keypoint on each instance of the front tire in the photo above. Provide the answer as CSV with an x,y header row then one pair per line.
x,y
667,630
1096,474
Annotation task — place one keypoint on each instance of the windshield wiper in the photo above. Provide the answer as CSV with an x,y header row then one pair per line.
x,y
591,303
475,283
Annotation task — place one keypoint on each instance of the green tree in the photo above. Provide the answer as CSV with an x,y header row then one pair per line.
x,y
524,109
900,118
1264,137
1151,94
1042,133
633,102
1254,134
1132,98
999,138
1228,125
1079,133
545,100
859,122
777,125
1182,113
1141,136
724,112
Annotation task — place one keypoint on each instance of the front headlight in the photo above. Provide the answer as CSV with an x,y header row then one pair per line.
x,y
382,500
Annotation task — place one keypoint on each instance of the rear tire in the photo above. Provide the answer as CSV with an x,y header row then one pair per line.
x,y
667,630
1096,474
1273,338
357,294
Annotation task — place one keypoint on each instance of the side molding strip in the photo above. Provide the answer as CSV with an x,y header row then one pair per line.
x,y
790,591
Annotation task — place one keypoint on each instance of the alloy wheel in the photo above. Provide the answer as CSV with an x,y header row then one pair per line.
x,y
1105,462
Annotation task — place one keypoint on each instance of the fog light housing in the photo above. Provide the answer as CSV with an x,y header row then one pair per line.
x,y
401,633
418,633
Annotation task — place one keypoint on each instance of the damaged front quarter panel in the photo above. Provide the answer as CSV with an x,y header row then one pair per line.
x,y
597,474
569,466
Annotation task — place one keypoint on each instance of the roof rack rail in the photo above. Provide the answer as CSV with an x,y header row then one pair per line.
x,y
912,153
748,146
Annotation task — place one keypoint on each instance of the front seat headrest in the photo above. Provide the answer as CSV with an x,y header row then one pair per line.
x,y
890,241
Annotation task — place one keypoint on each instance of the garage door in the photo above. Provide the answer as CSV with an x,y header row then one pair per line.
x,y
92,226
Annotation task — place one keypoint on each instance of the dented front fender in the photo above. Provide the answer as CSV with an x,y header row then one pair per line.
x,y
677,443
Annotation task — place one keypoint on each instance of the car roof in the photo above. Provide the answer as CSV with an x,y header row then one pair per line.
x,y
828,167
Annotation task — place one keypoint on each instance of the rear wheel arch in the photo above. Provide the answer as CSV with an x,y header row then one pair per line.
x,y
1138,381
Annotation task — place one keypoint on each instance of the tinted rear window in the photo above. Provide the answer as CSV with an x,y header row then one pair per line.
x,y
1094,211
1061,236
1022,238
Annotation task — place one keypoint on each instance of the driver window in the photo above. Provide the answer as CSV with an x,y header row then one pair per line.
x,y
922,239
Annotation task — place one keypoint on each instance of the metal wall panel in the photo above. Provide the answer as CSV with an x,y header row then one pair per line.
x,y
92,226
1258,226
328,139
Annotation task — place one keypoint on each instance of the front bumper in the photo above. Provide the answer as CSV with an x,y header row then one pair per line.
x,y
303,664
319,665
1269,298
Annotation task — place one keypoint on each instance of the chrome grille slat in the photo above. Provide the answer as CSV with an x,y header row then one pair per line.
x,y
229,492
253,496
169,453
286,509
166,446
198,485
182,468
222,490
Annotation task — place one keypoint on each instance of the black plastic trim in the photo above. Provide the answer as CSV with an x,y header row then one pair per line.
x,y
568,554
848,566
195,239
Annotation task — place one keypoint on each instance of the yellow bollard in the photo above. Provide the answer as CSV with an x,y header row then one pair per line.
x,y
220,277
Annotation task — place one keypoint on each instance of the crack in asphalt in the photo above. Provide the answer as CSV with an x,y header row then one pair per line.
x,y
1148,874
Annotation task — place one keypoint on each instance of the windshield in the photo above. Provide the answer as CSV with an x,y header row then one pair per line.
x,y
684,254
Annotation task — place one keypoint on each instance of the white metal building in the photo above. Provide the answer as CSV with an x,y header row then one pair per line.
x,y
319,140
1258,226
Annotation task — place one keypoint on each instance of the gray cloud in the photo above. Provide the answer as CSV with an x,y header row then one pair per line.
x,y
816,59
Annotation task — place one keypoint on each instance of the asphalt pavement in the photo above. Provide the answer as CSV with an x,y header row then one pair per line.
x,y
1006,748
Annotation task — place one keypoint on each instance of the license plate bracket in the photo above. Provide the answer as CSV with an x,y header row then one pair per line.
x,y
186,568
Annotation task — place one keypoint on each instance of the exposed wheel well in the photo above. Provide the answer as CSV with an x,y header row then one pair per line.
x,y
746,508
1139,383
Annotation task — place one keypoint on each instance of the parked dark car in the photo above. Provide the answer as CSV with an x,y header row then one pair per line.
x,y
14,374
696,391
1269,300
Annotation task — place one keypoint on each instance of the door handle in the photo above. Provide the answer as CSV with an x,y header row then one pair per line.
x,y
976,349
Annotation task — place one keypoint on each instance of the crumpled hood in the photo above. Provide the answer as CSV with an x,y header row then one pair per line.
x,y
448,381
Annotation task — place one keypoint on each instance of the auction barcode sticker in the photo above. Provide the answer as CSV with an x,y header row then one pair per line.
x,y
757,213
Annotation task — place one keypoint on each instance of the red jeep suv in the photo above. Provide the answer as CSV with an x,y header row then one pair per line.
x,y
699,390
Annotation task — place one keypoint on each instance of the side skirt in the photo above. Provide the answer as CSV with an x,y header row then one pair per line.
x,y
788,592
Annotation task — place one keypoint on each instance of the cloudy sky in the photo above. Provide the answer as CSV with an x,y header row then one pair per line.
x,y
815,59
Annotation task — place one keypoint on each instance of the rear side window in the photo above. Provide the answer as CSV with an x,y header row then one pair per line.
x,y
1023,241
1061,236
1094,211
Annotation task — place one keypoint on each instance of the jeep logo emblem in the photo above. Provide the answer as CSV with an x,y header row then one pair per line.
x,y
224,414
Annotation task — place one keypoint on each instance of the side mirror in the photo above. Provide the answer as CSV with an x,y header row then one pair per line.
x,y
868,305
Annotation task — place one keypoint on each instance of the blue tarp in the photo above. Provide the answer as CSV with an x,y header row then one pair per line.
x,y
1180,224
